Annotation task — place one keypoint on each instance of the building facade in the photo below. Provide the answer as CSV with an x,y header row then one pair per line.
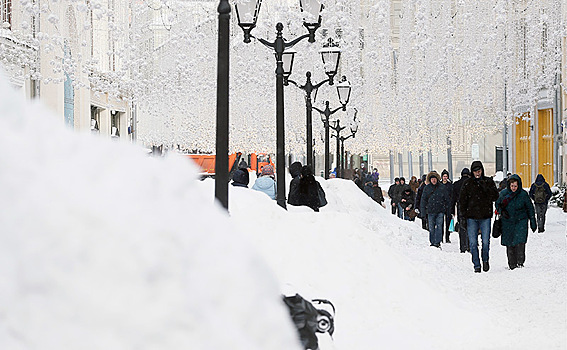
x,y
66,56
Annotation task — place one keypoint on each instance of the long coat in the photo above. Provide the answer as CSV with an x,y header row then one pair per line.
x,y
520,210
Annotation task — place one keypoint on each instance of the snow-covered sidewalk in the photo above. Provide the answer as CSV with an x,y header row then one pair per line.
x,y
393,291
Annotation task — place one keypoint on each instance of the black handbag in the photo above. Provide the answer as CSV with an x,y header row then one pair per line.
x,y
497,227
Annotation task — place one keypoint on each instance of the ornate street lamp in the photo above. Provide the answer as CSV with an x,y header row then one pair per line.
x,y
247,12
330,54
221,159
343,90
353,125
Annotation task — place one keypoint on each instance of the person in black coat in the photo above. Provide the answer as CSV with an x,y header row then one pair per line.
x,y
475,200
434,202
445,181
418,202
540,193
463,237
308,189
392,194
295,172
240,178
407,201
378,196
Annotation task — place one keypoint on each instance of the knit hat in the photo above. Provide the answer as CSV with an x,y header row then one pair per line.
x,y
465,171
268,170
444,172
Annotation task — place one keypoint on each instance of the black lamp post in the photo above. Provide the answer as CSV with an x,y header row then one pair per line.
x,y
343,90
221,159
330,55
247,13
341,155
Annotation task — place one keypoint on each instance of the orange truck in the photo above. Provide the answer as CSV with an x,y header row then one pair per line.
x,y
206,162
257,161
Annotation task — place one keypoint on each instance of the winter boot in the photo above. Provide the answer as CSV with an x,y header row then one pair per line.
x,y
485,266
477,269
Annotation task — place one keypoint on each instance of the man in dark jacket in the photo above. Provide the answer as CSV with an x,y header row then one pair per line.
x,y
399,190
422,216
463,238
392,193
540,193
476,198
434,204
446,182
295,172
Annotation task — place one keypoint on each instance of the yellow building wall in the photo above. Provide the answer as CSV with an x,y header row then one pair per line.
x,y
545,144
523,148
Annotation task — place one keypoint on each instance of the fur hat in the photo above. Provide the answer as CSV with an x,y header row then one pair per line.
x,y
268,170
433,174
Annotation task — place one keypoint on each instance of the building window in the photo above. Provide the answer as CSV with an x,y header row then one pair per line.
x,y
114,124
5,14
95,120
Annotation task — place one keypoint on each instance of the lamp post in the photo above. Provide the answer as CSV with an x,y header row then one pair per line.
x,y
343,90
247,13
341,141
330,54
221,159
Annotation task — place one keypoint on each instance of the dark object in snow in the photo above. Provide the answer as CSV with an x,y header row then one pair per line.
x,y
310,320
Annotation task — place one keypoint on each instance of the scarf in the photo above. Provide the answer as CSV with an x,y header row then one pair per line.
x,y
507,199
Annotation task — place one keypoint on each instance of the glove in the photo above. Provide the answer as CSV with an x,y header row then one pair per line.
x,y
533,225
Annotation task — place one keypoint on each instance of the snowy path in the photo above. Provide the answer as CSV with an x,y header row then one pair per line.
x,y
393,291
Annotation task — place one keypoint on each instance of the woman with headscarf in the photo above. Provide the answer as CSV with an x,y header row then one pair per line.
x,y
515,209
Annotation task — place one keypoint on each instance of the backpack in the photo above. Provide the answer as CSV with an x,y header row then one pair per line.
x,y
539,194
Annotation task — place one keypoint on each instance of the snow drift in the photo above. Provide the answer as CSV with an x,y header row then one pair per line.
x,y
105,248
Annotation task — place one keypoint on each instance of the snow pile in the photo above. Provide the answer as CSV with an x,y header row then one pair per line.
x,y
105,248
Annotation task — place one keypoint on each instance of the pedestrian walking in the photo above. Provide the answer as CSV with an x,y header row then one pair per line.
x,y
266,182
414,184
515,209
462,226
399,191
418,196
240,178
375,175
309,189
476,199
295,172
378,196
540,193
433,204
392,192
446,182
407,201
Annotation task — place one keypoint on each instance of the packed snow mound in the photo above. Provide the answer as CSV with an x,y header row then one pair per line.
x,y
106,248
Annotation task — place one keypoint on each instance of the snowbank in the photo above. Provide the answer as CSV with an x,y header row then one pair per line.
x,y
105,248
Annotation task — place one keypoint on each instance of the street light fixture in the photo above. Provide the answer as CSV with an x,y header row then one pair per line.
x,y
330,55
353,125
343,90
247,12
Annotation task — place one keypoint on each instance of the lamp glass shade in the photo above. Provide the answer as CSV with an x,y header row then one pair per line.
x,y
287,59
343,90
247,12
311,10
331,57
